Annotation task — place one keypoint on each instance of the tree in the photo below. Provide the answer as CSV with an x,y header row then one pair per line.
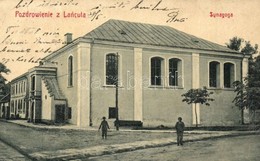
x,y
200,95
253,86
248,49
241,99
3,87
235,43
248,92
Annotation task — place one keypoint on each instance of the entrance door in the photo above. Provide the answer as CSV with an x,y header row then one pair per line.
x,y
59,113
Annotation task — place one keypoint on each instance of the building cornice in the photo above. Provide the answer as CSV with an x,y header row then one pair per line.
x,y
143,46
166,48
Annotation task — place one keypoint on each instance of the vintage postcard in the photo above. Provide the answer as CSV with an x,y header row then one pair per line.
x,y
129,80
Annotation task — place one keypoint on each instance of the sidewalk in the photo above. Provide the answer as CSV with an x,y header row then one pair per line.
x,y
115,147
69,154
94,128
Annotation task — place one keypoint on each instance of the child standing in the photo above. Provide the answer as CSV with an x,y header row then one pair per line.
x,y
104,127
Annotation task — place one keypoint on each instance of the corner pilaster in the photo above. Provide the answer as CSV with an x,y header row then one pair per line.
x,y
138,87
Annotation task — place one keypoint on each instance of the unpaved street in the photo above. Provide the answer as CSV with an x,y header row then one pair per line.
x,y
243,148
35,140
7,153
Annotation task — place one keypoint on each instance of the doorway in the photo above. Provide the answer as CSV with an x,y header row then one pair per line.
x,y
59,113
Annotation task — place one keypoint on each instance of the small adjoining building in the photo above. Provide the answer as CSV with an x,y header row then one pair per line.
x,y
152,66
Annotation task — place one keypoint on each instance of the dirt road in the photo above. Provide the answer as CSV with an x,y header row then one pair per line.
x,y
242,148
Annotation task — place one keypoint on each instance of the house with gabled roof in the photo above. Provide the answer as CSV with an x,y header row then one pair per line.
x,y
135,71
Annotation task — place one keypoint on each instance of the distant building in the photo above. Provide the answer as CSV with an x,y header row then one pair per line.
x,y
5,106
156,64
19,97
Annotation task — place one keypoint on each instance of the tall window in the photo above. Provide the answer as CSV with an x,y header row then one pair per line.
x,y
24,86
33,83
228,74
19,106
20,87
70,71
214,74
174,71
156,71
111,69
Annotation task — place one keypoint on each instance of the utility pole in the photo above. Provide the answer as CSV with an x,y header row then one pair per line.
x,y
116,83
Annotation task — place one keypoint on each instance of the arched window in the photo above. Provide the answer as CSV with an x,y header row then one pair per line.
x,y
70,71
214,74
156,71
228,75
174,72
112,65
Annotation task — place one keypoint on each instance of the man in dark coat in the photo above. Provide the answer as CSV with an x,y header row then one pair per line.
x,y
104,127
179,129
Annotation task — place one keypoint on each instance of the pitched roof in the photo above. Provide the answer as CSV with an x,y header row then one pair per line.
x,y
52,86
141,33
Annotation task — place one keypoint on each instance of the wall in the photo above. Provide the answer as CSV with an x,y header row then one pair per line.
x,y
163,105
222,111
77,94
46,104
168,105
62,76
103,97
160,105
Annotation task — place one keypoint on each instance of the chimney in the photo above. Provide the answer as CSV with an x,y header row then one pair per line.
x,y
68,38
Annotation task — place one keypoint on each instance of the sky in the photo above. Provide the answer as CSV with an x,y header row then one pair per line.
x,y
24,38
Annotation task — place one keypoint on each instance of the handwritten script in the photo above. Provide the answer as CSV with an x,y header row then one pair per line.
x,y
40,42
25,40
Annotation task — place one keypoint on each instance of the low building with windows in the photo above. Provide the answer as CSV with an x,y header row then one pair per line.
x,y
151,65
19,97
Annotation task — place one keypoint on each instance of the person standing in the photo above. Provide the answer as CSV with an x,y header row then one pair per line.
x,y
117,124
179,126
104,127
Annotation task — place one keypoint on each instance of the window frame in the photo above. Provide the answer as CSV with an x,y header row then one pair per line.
x,y
33,83
70,66
180,71
218,74
119,69
162,71
233,65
